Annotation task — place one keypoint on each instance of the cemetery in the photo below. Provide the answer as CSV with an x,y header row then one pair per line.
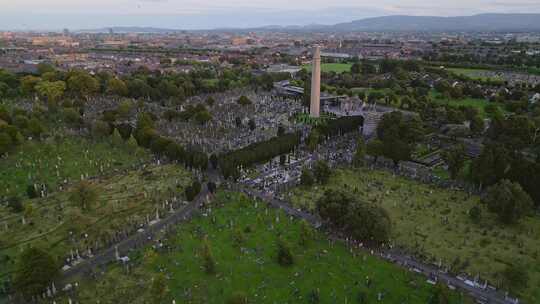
x,y
56,162
436,224
91,213
231,251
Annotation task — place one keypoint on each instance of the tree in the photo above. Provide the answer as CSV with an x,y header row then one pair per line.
x,y
15,204
84,195
475,213
5,143
238,237
360,154
28,84
116,138
363,221
43,68
374,148
209,264
214,161
158,289
313,139
477,125
455,159
284,254
210,101
306,233
72,117
515,277
252,125
244,101
440,295
356,68
321,171
202,117
116,86
100,129
124,108
82,84
52,91
35,270
307,178
508,201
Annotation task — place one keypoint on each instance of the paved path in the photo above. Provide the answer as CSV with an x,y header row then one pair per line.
x,y
137,239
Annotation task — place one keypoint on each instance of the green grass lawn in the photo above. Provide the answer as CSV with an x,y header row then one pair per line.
x,y
251,267
478,103
473,73
50,162
123,200
331,67
434,222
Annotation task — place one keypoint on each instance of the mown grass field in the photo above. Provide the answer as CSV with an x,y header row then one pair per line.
x,y
251,267
58,224
51,162
435,223
332,67
477,103
473,73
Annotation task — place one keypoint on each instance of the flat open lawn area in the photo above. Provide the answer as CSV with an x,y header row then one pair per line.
x,y
51,162
250,266
332,67
434,222
57,224
473,73
478,103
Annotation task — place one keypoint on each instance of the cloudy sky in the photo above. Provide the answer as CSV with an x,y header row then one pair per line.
x,y
197,14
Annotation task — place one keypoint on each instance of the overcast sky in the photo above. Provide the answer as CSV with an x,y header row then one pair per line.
x,y
193,14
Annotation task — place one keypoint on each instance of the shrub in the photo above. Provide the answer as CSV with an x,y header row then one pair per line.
x,y
284,256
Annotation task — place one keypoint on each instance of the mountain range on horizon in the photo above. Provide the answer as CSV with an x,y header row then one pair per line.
x,y
478,23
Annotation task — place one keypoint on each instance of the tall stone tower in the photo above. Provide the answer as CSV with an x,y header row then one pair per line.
x,y
315,104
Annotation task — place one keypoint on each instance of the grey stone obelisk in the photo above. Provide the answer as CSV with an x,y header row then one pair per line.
x,y
315,105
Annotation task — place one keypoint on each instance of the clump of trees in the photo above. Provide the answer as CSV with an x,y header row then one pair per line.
x,y
148,137
398,136
35,270
17,124
320,173
257,153
508,201
364,221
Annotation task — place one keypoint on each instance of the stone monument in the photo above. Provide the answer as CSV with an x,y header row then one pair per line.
x,y
315,104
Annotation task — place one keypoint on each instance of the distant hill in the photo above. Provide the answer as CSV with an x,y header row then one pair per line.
x,y
475,23
482,22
